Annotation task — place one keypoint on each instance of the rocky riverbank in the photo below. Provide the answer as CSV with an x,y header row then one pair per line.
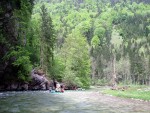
x,y
38,82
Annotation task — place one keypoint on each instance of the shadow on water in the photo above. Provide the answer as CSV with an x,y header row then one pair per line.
x,y
68,102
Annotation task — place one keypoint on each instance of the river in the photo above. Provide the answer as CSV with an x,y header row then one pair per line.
x,y
68,102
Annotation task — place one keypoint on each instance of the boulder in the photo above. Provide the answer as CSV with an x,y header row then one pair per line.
x,y
38,81
14,86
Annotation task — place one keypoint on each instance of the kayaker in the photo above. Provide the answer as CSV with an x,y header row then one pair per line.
x,y
62,88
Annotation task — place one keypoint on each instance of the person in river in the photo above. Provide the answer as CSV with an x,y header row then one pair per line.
x,y
62,88
57,87
54,84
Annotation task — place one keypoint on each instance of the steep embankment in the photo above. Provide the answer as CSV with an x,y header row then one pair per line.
x,y
14,16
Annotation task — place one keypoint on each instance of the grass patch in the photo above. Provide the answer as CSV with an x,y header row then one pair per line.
x,y
136,92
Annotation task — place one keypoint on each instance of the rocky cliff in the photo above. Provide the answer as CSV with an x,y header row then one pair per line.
x,y
9,35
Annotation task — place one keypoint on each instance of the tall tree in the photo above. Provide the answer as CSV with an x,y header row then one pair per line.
x,y
47,40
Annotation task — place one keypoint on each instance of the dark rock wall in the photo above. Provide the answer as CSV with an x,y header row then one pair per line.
x,y
9,31
8,39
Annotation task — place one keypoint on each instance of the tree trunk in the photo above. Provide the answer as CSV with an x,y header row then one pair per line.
x,y
93,63
114,78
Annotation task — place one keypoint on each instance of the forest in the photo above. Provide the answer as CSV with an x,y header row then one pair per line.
x,y
77,42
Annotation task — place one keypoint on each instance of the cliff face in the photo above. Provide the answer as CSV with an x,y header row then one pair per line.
x,y
9,31
8,38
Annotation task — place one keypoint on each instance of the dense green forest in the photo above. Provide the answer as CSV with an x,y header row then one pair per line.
x,y
78,42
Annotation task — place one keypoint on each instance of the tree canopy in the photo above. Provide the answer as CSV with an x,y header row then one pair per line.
x,y
79,42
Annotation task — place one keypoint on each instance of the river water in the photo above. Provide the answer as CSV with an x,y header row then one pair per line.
x,y
67,102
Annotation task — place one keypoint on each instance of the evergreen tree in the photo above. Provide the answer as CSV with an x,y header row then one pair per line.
x,y
47,40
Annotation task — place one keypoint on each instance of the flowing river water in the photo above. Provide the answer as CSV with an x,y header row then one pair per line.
x,y
68,102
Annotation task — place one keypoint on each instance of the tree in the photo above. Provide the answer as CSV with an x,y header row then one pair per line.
x,y
76,59
47,40
101,22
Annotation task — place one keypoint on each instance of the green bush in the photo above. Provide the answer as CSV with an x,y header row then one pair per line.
x,y
22,62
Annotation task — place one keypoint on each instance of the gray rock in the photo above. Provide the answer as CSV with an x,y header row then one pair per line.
x,y
38,82
14,86
7,15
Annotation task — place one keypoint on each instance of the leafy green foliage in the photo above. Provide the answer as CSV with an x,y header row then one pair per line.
x,y
74,55
22,62
58,69
13,31
95,41
135,92
84,30
133,30
101,23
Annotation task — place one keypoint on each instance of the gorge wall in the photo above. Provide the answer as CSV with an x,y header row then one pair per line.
x,y
9,40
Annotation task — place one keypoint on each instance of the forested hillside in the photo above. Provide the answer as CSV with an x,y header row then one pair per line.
x,y
106,41
78,42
